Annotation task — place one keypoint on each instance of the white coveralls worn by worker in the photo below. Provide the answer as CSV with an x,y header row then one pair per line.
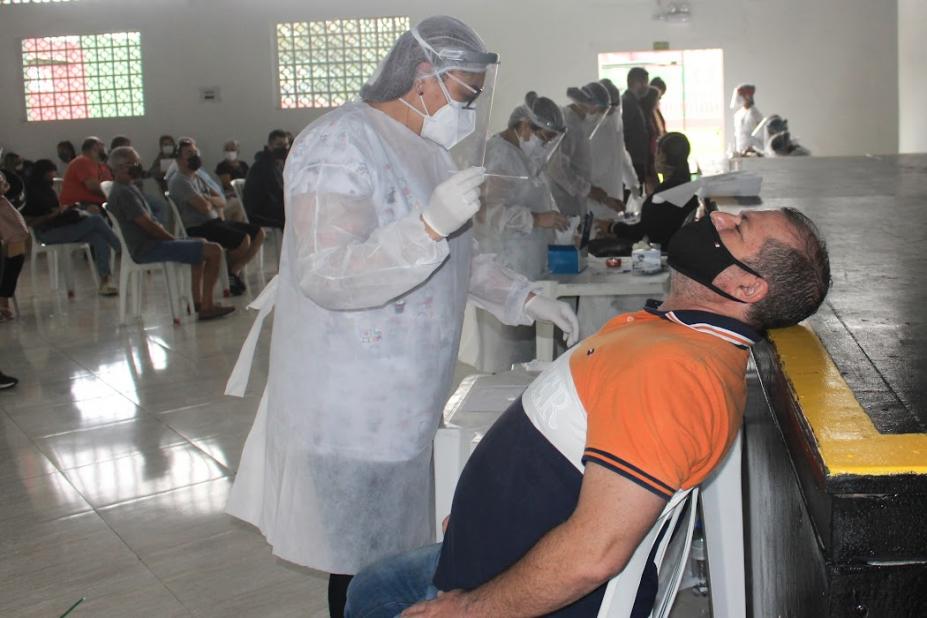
x,y
376,268
612,168
517,219
570,169
746,118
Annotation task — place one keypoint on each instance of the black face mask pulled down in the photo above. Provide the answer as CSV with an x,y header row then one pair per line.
x,y
280,153
194,162
697,252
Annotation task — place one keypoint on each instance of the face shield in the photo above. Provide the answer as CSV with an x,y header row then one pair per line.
x,y
600,121
467,78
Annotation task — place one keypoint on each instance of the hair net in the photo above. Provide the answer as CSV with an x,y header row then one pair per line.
x,y
593,93
739,92
539,111
613,93
446,43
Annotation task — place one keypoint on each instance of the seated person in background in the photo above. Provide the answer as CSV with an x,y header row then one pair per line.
x,y
201,213
82,178
264,184
659,222
13,234
230,168
55,224
66,152
167,152
561,490
13,168
118,142
148,242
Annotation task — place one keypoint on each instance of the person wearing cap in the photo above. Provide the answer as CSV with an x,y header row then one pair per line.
x,y
570,168
378,263
746,118
517,219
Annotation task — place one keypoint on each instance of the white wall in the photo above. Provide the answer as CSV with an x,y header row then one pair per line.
x,y
817,63
912,68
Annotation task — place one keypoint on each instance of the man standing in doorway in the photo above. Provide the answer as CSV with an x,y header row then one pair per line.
x,y
636,137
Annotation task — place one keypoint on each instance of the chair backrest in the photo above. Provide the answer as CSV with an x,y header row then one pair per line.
x,y
57,183
106,186
117,229
179,230
622,589
239,186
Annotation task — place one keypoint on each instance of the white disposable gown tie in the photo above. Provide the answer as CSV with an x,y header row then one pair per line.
x,y
505,227
336,469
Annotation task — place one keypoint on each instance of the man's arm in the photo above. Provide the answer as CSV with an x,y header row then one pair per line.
x,y
570,561
152,227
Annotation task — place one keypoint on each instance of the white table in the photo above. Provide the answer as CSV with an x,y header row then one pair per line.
x,y
595,280
481,399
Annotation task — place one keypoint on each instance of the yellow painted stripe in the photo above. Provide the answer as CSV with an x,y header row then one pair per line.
x,y
848,441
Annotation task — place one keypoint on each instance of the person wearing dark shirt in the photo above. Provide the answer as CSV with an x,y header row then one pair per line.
x,y
230,168
636,135
660,221
54,224
660,85
66,151
650,105
167,152
264,183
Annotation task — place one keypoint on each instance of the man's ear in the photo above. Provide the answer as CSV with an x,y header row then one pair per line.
x,y
751,289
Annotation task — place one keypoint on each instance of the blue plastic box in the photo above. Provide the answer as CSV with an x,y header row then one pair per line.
x,y
564,259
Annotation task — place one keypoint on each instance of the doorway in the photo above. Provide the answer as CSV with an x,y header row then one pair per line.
x,y
694,100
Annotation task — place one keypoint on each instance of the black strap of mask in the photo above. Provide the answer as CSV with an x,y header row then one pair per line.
x,y
711,286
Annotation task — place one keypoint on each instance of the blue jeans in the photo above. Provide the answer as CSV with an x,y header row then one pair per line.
x,y
387,588
92,229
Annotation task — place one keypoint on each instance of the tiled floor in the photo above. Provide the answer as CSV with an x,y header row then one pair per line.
x,y
117,451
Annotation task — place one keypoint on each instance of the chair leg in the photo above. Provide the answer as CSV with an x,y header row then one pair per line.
x,y
93,266
124,275
33,264
224,276
66,266
170,280
52,257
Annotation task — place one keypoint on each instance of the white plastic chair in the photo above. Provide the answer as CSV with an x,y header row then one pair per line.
x,y
106,186
180,232
239,186
269,232
130,280
622,589
58,255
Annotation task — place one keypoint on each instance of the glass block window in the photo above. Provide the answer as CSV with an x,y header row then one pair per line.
x,y
325,63
87,76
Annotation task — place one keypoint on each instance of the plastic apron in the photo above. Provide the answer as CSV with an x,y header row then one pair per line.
x,y
570,168
505,227
336,470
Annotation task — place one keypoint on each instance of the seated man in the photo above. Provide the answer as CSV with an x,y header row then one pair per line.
x,y
264,182
558,494
82,178
201,213
149,242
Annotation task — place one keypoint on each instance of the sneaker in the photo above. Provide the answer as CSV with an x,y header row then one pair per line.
x,y
217,311
107,288
7,381
237,287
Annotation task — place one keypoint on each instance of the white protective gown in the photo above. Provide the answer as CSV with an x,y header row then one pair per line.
x,y
745,121
612,168
570,169
505,227
336,471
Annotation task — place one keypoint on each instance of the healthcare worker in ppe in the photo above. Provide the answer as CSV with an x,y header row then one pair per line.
x,y
570,168
746,118
376,267
517,219
612,168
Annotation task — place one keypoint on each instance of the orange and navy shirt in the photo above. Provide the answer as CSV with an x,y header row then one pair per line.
x,y
654,396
